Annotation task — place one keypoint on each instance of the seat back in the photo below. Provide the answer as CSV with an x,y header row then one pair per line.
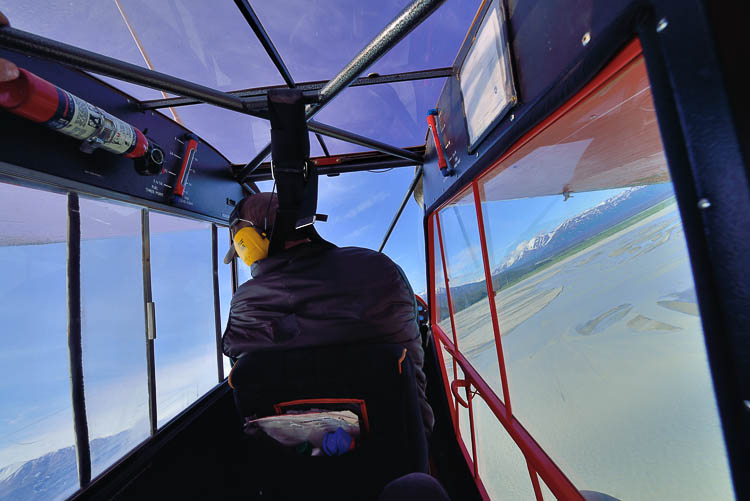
x,y
380,375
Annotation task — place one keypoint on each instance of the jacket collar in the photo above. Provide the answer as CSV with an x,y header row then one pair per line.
x,y
278,261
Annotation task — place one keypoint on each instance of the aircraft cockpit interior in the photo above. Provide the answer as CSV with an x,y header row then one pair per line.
x,y
474,249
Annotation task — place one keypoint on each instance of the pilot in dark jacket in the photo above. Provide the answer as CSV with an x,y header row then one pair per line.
x,y
316,294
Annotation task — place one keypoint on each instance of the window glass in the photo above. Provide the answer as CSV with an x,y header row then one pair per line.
x,y
464,427
597,303
225,285
502,466
405,246
182,285
243,272
442,313
463,412
36,418
113,330
468,289
448,367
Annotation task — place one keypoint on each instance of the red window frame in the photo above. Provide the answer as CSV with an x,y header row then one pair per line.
x,y
538,462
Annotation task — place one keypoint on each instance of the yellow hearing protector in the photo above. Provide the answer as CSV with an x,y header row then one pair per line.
x,y
251,244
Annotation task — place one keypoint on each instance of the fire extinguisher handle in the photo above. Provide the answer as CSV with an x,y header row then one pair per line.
x,y
442,163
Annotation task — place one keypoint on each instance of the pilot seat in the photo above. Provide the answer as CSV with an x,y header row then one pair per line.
x,y
375,382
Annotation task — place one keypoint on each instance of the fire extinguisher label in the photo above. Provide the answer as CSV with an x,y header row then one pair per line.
x,y
82,120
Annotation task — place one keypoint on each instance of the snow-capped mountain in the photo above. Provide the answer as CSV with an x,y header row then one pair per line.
x,y
55,475
585,225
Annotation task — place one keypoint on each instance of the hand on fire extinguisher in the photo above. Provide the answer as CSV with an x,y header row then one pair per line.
x,y
8,70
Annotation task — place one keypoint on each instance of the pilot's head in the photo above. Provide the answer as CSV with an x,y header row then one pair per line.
x,y
250,226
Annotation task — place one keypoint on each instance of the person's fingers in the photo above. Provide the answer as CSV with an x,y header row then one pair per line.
x,y
8,70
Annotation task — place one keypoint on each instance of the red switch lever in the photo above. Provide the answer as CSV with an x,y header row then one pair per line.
x,y
442,163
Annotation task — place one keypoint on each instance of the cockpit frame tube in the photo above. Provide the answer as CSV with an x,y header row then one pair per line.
x,y
217,301
75,347
307,87
37,46
412,186
148,300
402,25
394,32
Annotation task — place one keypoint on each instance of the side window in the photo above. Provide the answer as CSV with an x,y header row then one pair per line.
x,y
182,288
113,330
471,307
596,307
37,442
36,432
441,310
243,272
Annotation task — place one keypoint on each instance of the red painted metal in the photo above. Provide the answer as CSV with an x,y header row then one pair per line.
x,y
431,267
491,297
446,384
30,96
438,147
327,161
433,309
450,309
141,145
40,101
455,385
555,479
535,482
465,452
473,436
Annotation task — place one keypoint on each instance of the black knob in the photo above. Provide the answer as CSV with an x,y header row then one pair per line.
x,y
151,163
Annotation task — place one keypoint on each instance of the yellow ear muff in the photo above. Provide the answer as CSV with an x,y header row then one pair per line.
x,y
251,245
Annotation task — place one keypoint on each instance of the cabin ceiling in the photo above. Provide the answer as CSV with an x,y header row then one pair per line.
x,y
210,43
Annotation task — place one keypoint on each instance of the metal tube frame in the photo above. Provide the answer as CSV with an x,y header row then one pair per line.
x,y
407,20
535,482
263,172
148,300
306,87
491,297
335,132
395,31
267,43
34,45
552,475
433,308
264,39
217,300
450,311
413,185
75,347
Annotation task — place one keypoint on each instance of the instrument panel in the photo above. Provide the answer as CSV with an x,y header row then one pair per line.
x,y
188,173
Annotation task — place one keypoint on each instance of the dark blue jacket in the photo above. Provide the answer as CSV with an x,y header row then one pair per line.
x,y
317,294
